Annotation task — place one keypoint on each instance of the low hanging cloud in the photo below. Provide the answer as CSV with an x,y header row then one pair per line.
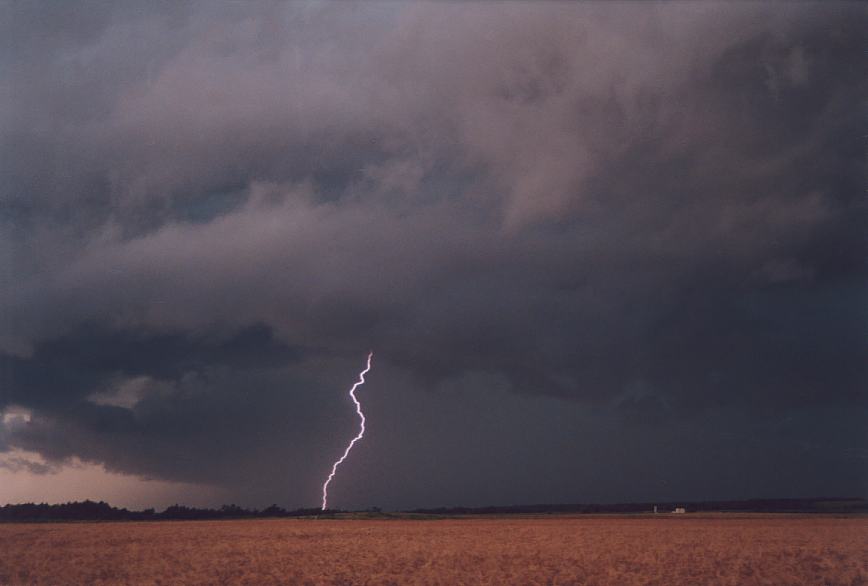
x,y
208,209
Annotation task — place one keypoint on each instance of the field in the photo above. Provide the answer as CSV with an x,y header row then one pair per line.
x,y
664,550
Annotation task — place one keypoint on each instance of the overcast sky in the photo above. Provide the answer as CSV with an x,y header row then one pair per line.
x,y
602,252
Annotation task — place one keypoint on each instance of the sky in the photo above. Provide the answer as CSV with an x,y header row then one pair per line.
x,y
602,252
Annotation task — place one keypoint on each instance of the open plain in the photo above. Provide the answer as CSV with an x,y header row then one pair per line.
x,y
596,550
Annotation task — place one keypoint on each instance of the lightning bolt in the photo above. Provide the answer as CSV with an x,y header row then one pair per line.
x,y
361,381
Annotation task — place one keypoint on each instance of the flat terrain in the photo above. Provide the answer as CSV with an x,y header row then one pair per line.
x,y
665,550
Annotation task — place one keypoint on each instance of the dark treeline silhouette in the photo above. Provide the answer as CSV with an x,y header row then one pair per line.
x,y
807,505
101,511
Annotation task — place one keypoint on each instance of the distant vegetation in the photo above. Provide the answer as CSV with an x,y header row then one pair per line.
x,y
811,505
101,511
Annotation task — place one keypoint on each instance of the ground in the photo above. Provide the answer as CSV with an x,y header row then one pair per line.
x,y
665,550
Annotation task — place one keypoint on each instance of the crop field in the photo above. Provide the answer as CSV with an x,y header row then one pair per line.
x,y
664,550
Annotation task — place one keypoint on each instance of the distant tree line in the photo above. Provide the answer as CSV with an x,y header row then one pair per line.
x,y
101,511
808,505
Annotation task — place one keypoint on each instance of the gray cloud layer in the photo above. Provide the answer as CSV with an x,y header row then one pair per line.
x,y
648,216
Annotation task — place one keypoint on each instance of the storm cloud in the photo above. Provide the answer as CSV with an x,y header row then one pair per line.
x,y
600,242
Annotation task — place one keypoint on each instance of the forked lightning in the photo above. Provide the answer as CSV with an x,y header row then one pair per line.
x,y
361,381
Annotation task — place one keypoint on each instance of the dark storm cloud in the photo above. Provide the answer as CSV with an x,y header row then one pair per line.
x,y
60,371
653,210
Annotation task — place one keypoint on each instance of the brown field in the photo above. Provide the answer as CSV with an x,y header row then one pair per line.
x,y
722,549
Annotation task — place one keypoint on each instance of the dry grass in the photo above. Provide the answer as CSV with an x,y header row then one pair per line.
x,y
624,551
